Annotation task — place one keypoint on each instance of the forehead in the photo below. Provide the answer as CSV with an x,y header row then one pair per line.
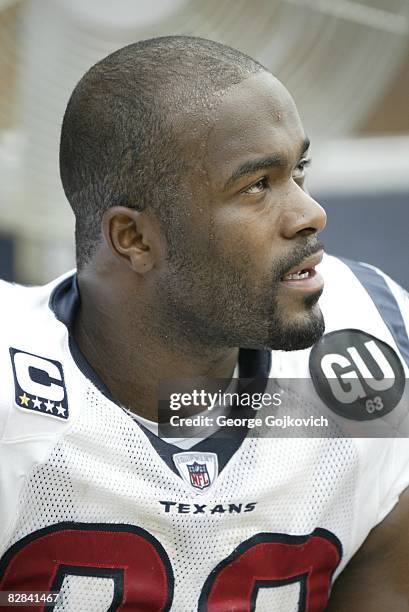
x,y
256,118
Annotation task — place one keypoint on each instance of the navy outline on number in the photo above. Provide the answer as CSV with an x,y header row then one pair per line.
x,y
268,537
106,527
117,575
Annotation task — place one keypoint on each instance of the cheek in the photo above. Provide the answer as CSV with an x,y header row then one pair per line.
x,y
236,246
246,237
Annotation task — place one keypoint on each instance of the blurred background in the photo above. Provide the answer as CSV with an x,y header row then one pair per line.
x,y
345,62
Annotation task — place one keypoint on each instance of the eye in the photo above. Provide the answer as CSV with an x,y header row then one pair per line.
x,y
299,171
258,187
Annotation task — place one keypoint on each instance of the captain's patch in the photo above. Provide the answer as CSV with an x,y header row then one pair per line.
x,y
39,384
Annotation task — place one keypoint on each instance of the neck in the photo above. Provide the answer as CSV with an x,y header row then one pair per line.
x,y
121,343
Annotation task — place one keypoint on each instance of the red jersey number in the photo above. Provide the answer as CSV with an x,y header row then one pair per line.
x,y
143,577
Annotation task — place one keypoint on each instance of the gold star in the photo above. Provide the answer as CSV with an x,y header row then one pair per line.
x,y
24,399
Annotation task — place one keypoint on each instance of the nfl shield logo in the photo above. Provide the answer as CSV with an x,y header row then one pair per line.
x,y
198,470
199,476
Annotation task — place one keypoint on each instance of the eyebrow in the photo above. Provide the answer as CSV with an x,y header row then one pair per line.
x,y
262,163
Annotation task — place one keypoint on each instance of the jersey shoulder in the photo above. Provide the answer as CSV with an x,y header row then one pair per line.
x,y
36,409
358,296
34,363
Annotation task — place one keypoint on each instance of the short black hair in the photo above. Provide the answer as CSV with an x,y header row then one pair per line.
x,y
117,146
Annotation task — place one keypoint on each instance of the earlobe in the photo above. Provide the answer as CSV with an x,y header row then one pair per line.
x,y
127,235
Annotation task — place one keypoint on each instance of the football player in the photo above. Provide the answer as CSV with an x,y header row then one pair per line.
x,y
198,258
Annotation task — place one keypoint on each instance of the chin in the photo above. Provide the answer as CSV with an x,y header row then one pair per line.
x,y
300,333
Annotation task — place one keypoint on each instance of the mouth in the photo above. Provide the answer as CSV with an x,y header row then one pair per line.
x,y
304,276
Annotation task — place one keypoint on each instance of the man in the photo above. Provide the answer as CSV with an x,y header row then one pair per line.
x,y
184,162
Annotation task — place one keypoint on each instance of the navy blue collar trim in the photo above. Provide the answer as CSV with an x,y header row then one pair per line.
x,y
64,302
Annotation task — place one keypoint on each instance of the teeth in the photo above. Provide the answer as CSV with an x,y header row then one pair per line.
x,y
297,275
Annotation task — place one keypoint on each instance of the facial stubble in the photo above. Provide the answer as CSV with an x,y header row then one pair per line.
x,y
211,302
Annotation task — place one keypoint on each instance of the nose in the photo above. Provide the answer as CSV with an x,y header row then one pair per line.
x,y
303,215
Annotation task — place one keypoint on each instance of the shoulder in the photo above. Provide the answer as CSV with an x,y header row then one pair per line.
x,y
360,366
347,280
362,304
41,390
21,306
32,351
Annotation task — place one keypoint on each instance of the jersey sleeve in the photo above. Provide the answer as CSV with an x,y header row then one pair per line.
x,y
26,438
396,479
392,301
402,299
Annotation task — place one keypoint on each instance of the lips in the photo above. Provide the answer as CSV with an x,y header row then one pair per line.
x,y
305,269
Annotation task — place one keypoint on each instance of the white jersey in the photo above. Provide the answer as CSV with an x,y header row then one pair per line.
x,y
102,511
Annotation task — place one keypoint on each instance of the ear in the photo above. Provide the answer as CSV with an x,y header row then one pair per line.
x,y
132,236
